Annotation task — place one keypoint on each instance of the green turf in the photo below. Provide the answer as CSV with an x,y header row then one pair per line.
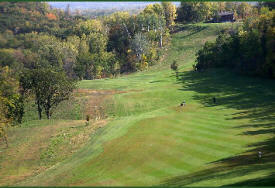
x,y
150,140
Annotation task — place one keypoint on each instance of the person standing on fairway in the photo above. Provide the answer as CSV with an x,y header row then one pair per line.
x,y
214,100
183,103
260,155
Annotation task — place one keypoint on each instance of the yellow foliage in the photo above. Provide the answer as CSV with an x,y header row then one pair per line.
x,y
118,17
144,58
99,72
4,122
8,88
144,65
242,33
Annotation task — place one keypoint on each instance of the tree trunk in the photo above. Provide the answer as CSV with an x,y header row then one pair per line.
x,y
160,42
263,43
21,109
47,109
48,114
39,110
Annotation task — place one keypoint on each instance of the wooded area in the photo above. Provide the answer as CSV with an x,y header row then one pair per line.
x,y
44,51
248,49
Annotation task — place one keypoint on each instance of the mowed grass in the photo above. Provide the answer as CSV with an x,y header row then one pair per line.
x,y
151,140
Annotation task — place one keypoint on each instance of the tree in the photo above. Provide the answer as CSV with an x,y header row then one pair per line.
x,y
49,86
269,4
11,105
169,13
84,60
244,10
154,9
161,30
68,10
90,26
190,12
174,66
97,42
9,91
139,45
69,52
119,35
4,122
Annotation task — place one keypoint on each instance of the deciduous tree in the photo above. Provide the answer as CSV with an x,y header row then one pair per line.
x,y
49,87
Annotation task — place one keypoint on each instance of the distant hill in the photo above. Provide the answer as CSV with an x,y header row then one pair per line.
x,y
102,5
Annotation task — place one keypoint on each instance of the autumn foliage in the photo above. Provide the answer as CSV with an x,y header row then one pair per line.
x,y
51,16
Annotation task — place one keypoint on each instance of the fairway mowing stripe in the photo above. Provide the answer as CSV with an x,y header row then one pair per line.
x,y
194,144
169,168
207,139
169,152
153,171
119,176
201,134
210,126
225,177
138,176
224,136
193,128
212,112
204,137
211,116
208,145
217,126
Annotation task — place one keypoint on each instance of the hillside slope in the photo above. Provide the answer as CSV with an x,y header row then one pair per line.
x,y
151,140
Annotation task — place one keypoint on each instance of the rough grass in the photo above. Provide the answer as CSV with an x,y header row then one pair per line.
x,y
36,148
37,145
72,109
151,140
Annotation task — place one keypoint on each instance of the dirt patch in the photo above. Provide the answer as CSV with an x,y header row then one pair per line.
x,y
94,100
86,92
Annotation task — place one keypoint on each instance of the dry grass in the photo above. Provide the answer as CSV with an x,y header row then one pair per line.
x,y
94,101
36,148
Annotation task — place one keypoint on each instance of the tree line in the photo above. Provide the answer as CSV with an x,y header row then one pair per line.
x,y
195,11
248,49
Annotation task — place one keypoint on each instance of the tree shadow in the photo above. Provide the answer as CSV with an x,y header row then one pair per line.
x,y
267,181
192,28
255,98
156,81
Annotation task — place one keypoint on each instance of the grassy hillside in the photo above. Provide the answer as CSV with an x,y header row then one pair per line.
x,y
151,140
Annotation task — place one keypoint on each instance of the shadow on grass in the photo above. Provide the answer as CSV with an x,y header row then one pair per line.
x,y
255,98
267,181
192,28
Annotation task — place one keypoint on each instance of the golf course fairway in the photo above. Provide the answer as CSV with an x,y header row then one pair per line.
x,y
150,140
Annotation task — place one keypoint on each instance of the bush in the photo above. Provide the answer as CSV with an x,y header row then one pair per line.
x,y
174,66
